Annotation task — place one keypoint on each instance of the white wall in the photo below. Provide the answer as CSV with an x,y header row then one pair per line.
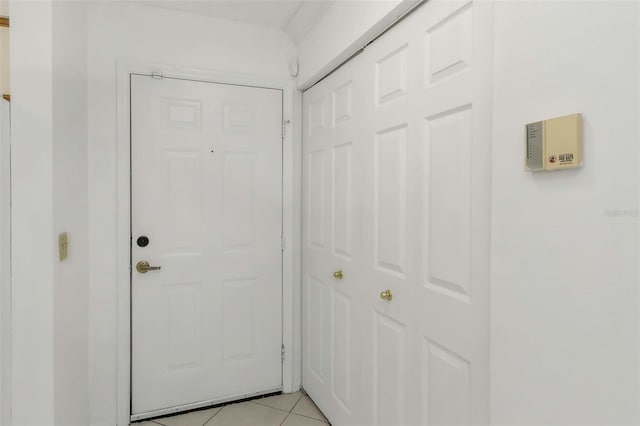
x,y
343,29
565,244
4,50
32,227
131,32
70,213
49,299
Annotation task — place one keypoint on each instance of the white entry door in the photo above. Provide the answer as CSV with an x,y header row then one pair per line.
x,y
412,326
206,197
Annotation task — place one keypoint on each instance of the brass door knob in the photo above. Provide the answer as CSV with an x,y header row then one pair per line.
x,y
386,295
338,275
143,267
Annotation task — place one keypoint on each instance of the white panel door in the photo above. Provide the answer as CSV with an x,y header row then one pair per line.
x,y
392,204
206,192
423,137
452,302
332,181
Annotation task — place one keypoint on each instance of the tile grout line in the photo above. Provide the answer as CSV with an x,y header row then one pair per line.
x,y
296,403
256,401
214,414
285,419
314,404
291,409
269,406
302,395
312,418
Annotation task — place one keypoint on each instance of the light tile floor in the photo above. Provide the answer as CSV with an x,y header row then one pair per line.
x,y
293,409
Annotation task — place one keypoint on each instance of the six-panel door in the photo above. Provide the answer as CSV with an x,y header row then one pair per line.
x,y
332,182
206,191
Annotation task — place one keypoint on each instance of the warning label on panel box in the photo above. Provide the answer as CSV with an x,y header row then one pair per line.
x,y
565,158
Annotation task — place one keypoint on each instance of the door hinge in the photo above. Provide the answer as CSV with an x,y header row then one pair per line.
x,y
282,242
284,128
157,75
282,353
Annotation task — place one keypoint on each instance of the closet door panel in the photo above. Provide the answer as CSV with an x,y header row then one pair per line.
x,y
332,252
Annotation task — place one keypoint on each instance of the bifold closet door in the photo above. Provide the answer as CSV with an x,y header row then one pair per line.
x,y
421,153
332,182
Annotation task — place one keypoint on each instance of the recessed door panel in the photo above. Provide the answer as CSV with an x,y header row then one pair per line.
x,y
184,204
182,114
315,333
342,199
239,207
448,142
240,320
449,47
240,118
446,387
390,207
316,190
343,104
391,76
316,116
389,371
341,341
184,328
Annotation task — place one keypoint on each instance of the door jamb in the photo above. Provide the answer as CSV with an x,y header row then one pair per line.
x,y
5,263
291,199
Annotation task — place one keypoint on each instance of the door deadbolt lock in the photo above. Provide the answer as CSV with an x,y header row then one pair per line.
x,y
143,267
338,275
386,295
142,241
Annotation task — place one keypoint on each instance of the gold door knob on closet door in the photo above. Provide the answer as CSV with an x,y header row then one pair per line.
x,y
338,275
386,295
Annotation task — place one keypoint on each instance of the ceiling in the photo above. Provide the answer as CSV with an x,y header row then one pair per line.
x,y
296,17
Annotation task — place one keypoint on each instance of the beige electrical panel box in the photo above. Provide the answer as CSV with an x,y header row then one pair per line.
x,y
554,144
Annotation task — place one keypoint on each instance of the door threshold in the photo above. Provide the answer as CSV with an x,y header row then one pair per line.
x,y
197,405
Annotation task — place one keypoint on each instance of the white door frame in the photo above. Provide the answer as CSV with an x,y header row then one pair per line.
x,y
5,263
291,196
